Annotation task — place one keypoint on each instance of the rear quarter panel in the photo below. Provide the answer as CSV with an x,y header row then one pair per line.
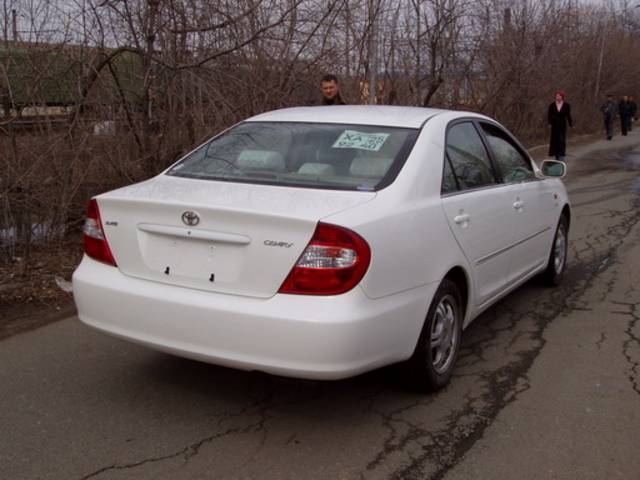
x,y
405,226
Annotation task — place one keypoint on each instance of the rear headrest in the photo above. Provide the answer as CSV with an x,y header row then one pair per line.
x,y
261,160
372,167
314,168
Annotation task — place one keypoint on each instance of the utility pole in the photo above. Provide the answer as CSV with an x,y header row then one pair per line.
x,y
14,15
5,11
418,51
600,59
373,56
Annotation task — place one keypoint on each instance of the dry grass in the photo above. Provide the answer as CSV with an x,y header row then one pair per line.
x,y
29,294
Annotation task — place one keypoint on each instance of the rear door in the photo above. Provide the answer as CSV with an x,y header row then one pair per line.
x,y
478,209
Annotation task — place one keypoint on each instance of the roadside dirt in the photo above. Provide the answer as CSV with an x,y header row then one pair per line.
x,y
29,294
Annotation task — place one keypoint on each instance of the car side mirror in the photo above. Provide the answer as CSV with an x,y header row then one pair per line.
x,y
554,168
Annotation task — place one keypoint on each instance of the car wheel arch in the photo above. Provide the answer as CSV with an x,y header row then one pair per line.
x,y
566,212
460,277
424,370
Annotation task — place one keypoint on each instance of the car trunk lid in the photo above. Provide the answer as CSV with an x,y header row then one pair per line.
x,y
217,236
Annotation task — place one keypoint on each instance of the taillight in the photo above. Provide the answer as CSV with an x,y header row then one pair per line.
x,y
334,262
95,242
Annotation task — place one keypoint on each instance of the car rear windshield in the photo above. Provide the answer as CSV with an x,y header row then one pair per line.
x,y
316,155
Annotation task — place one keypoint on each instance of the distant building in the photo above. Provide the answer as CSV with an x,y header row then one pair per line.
x,y
45,80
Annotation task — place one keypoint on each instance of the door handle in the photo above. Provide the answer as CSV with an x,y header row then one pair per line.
x,y
462,218
518,204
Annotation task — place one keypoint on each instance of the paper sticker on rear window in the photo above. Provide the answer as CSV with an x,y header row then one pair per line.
x,y
361,140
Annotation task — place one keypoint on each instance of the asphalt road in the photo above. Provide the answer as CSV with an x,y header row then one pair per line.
x,y
547,386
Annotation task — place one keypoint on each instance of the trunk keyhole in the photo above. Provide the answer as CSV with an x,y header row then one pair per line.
x,y
166,271
212,277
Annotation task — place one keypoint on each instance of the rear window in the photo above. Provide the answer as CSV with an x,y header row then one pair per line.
x,y
316,155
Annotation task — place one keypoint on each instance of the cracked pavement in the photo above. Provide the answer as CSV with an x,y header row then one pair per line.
x,y
547,386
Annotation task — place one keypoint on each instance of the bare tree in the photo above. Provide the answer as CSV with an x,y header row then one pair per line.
x,y
98,93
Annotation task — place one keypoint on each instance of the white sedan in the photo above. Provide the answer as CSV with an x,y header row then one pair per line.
x,y
323,242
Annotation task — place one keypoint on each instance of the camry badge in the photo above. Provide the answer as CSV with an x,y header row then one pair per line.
x,y
190,218
273,243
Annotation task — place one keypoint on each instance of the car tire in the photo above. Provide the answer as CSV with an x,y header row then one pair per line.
x,y
557,263
431,365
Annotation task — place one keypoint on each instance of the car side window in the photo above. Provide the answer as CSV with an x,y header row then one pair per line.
x,y
449,182
469,159
513,164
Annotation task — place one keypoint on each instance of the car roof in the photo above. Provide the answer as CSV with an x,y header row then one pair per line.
x,y
392,116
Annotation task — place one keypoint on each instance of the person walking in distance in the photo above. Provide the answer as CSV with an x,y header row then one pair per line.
x,y
331,91
624,110
559,114
634,110
608,109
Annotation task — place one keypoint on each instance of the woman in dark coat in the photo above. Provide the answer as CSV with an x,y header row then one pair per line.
x,y
559,115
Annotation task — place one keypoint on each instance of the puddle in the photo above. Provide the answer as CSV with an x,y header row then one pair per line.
x,y
631,160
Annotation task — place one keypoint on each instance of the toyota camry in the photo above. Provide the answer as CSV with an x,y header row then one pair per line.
x,y
323,242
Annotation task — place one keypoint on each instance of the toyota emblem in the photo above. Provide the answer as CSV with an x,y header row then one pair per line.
x,y
190,218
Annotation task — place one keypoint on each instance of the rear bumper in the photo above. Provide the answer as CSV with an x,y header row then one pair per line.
x,y
294,335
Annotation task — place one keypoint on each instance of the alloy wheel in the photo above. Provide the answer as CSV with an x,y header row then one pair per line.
x,y
560,250
444,334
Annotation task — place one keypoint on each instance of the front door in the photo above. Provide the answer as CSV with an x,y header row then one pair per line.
x,y
530,223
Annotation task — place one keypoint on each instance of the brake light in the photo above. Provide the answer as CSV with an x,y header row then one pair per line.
x,y
95,242
334,262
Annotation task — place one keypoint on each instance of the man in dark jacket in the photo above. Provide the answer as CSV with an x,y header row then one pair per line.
x,y
609,110
331,91
624,109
